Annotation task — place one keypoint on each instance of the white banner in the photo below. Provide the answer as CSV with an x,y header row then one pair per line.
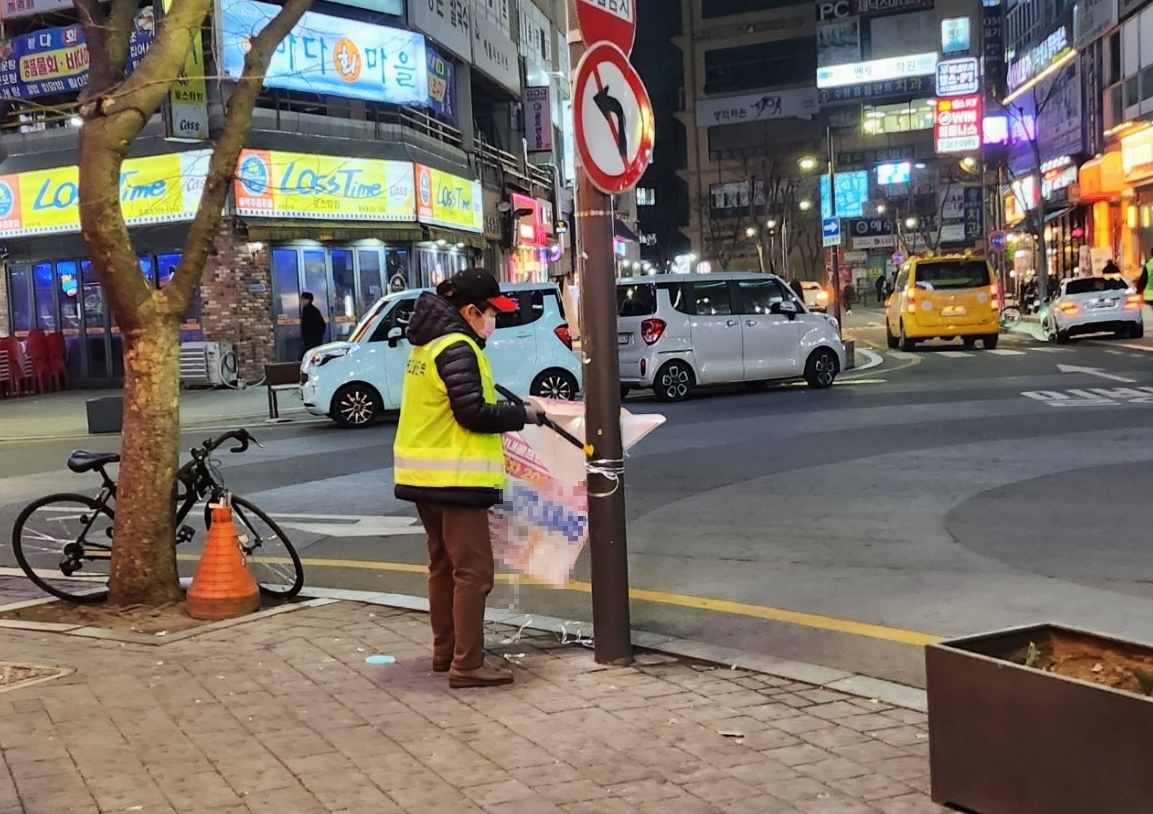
x,y
780,104
493,52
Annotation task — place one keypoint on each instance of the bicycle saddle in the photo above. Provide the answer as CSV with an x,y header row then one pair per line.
x,y
82,461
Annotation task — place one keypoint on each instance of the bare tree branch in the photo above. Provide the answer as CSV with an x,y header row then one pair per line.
x,y
222,166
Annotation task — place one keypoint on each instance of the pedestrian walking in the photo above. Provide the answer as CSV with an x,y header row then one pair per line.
x,y
849,296
449,461
798,288
312,324
881,282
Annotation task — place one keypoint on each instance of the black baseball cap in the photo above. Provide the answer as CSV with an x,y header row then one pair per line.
x,y
476,285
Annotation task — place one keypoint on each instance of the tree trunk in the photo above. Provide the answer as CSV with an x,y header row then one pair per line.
x,y
144,557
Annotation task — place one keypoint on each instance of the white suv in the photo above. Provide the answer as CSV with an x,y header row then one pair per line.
x,y
677,332
353,382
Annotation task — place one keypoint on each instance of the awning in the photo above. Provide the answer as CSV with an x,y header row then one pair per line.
x,y
624,232
1052,216
275,229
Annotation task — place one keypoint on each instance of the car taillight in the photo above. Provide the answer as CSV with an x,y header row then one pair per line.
x,y
1134,302
911,302
995,302
564,335
1068,308
652,330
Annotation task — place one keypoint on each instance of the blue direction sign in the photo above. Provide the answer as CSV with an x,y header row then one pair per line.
x,y
831,231
998,241
898,257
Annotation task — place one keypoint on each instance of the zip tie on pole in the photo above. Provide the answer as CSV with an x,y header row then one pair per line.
x,y
611,469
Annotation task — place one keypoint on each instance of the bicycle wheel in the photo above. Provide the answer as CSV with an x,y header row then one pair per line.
x,y
66,539
271,557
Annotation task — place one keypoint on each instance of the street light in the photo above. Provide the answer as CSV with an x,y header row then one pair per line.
x,y
880,209
751,231
807,163
805,205
910,223
771,223
969,163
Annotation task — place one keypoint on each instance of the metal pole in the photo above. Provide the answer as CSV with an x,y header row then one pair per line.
x,y
838,291
612,630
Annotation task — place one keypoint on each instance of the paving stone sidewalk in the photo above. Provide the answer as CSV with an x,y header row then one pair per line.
x,y
282,715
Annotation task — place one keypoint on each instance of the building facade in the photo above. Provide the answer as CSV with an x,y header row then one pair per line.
x,y
453,152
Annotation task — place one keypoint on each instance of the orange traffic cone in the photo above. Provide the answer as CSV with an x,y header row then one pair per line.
x,y
223,587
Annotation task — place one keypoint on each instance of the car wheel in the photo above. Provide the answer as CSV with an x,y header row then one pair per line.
x,y
554,384
1049,331
822,368
905,343
1062,337
990,342
356,405
969,341
1137,331
890,340
674,382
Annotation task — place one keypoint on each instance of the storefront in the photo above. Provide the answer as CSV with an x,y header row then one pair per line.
x,y
1101,182
1065,218
1136,226
531,254
346,230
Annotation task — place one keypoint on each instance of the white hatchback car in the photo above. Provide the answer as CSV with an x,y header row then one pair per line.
x,y
677,332
353,382
1089,305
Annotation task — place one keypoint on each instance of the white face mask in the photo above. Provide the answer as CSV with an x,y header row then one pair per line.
x,y
489,326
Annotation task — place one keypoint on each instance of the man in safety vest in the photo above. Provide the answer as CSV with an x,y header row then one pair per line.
x,y
449,461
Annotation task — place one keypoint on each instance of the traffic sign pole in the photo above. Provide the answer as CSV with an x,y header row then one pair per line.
x,y
608,546
838,290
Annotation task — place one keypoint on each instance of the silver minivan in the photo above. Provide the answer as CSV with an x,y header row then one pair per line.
x,y
680,331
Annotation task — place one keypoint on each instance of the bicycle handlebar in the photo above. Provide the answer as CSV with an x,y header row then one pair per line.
x,y
242,437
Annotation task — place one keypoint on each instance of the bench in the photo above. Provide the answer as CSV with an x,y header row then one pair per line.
x,y
278,377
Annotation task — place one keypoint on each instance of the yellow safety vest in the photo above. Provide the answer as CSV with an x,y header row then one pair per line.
x,y
432,450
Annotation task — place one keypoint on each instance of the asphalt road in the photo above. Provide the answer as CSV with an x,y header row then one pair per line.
x,y
941,493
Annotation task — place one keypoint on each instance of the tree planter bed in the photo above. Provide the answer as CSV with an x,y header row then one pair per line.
x,y
1005,738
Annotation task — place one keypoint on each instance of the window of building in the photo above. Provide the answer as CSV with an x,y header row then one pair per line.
x,y
727,8
904,117
746,67
646,196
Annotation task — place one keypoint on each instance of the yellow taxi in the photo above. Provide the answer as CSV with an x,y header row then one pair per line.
x,y
943,297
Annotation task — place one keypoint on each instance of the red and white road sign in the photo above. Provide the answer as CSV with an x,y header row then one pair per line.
x,y
612,21
614,120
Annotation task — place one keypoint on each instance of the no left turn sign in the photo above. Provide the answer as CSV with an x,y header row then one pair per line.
x,y
614,120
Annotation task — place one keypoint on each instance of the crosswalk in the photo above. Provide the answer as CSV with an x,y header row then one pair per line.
x,y
967,354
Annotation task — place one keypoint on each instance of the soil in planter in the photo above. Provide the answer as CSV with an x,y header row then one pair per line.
x,y
132,619
1087,658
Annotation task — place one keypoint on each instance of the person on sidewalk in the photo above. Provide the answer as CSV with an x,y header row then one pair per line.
x,y
881,284
798,289
312,324
449,461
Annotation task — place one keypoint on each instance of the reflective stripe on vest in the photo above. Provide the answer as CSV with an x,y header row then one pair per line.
x,y
432,450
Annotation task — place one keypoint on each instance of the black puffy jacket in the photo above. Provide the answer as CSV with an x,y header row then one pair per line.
x,y
458,367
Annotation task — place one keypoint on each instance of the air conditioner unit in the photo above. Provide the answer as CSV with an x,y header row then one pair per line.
x,y
207,364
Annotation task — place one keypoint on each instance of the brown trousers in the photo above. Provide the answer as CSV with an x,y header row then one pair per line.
x,y
460,578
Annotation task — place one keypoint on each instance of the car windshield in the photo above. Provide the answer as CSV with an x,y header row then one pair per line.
x,y
362,327
952,274
636,300
1091,285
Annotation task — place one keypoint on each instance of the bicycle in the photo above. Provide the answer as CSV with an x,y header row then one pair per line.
x,y
1010,317
71,534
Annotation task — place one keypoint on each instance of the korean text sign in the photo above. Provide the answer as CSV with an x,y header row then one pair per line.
x,y
55,60
957,125
295,185
156,189
331,55
443,199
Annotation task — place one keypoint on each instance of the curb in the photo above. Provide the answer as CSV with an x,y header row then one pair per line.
x,y
860,686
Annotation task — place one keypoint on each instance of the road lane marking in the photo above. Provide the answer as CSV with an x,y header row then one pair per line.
x,y
902,354
1096,371
954,354
725,606
1005,352
1052,350
875,359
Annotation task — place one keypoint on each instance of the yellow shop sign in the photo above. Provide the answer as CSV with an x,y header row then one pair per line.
x,y
448,200
295,185
155,189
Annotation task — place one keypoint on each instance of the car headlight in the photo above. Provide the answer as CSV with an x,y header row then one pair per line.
x,y
321,358
832,320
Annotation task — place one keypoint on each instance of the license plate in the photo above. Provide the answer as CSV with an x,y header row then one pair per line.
x,y
953,311
624,339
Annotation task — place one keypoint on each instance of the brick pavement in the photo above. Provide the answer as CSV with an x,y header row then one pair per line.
x,y
283,715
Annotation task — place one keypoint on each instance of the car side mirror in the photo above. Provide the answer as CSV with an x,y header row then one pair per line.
x,y
785,307
394,337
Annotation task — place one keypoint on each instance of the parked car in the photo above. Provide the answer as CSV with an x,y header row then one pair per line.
x,y
679,332
353,382
1089,305
816,297
943,297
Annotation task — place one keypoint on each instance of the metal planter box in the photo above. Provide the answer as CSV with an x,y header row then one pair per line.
x,y
1010,739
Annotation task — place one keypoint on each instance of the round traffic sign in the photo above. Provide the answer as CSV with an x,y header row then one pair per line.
x,y
898,257
998,241
612,21
614,119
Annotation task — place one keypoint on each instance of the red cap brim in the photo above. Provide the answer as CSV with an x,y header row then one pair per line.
x,y
503,304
